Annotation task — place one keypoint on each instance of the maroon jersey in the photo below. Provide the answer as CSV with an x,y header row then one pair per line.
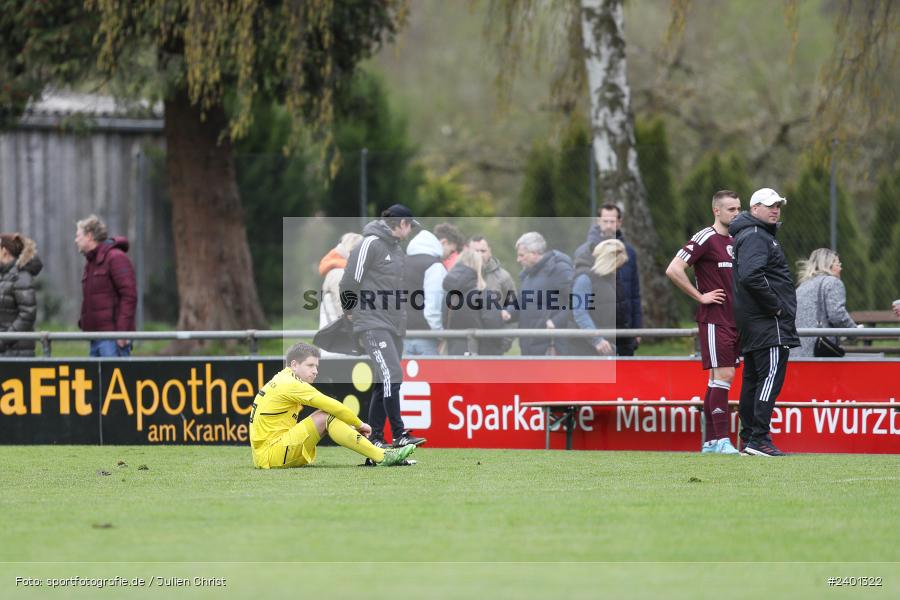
x,y
711,254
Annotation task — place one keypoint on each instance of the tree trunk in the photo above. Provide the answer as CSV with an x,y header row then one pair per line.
x,y
216,289
612,126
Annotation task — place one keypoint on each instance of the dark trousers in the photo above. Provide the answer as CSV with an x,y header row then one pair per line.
x,y
384,348
764,372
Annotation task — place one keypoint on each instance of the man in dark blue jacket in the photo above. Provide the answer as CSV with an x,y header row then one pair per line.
x,y
765,305
608,225
544,290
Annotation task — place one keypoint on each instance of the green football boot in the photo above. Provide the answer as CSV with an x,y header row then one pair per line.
x,y
394,457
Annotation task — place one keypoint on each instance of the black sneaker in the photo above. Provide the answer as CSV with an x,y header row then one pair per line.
x,y
763,449
379,443
408,462
407,438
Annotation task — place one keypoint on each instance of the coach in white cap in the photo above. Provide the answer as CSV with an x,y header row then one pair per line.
x,y
765,305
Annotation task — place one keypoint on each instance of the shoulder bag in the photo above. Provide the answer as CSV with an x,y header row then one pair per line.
x,y
825,347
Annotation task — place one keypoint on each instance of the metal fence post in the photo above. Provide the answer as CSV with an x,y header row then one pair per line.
x,y
592,180
471,342
45,344
363,188
832,192
253,342
139,240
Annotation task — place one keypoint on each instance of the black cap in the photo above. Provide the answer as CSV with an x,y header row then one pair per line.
x,y
402,212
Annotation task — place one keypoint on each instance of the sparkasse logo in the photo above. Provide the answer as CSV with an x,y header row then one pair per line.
x,y
415,399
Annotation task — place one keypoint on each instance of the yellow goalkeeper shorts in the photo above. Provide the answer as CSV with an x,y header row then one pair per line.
x,y
294,448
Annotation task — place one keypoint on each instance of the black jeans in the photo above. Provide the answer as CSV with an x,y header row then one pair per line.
x,y
764,372
384,348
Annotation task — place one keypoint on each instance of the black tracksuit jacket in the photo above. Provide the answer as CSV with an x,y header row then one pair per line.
x,y
376,266
765,303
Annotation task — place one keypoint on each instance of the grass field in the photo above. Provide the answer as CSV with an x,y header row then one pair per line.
x,y
461,523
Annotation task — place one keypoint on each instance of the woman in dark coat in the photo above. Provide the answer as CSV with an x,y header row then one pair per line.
x,y
465,305
608,309
19,264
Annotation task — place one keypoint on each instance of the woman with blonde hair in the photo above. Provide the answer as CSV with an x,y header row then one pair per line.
x,y
19,265
474,261
465,305
821,297
331,267
599,301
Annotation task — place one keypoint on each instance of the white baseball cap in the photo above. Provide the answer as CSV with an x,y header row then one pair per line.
x,y
766,197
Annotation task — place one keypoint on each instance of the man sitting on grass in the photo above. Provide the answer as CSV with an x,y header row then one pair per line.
x,y
279,441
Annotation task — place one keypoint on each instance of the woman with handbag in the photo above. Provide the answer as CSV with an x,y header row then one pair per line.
x,y
821,302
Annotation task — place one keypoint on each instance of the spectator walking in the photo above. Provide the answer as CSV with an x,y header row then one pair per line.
x,y
821,297
765,307
544,284
371,291
424,277
711,253
331,267
109,289
599,302
19,265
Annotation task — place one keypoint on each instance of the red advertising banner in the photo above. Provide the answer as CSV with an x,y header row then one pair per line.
x,y
469,414
460,402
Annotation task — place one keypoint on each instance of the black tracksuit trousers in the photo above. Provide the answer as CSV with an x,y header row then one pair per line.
x,y
764,372
384,348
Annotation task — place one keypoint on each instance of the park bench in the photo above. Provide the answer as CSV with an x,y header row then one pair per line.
x,y
873,318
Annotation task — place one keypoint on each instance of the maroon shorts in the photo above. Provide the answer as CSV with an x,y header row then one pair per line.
x,y
719,346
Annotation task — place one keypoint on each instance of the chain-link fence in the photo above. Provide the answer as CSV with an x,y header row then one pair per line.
x,y
552,181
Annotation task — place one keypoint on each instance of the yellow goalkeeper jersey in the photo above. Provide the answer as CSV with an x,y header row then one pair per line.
x,y
277,407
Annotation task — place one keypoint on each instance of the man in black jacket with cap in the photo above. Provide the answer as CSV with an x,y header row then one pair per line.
x,y
372,293
765,305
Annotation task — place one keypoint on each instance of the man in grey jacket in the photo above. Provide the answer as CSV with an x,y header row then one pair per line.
x,y
765,307
496,279
495,276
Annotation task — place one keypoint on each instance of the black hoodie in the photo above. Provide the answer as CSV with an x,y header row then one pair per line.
x,y
765,302
376,265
